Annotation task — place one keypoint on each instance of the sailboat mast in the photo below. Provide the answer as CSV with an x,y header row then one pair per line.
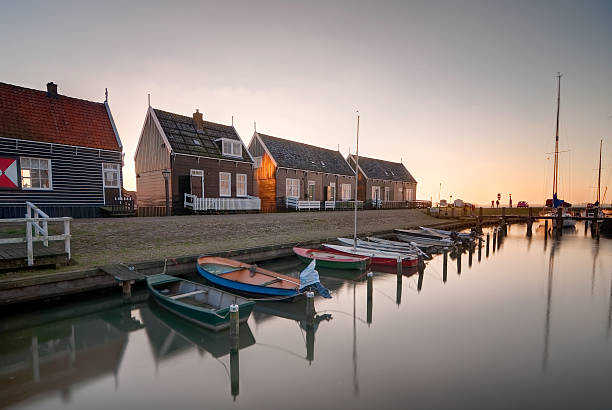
x,y
556,169
356,181
599,175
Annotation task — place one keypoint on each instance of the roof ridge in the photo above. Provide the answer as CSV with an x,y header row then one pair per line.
x,y
190,118
297,142
45,93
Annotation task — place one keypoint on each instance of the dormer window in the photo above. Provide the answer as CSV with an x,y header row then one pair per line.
x,y
231,148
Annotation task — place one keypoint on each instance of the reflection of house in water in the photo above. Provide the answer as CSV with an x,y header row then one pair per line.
x,y
56,355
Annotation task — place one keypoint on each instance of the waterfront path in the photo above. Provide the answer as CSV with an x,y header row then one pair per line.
x,y
103,241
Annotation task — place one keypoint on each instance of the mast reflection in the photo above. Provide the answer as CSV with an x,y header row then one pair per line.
x,y
549,289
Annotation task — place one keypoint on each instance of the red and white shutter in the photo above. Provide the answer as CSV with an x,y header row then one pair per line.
x,y
9,178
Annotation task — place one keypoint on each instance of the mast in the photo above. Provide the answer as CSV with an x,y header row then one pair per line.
x,y
599,175
556,165
356,181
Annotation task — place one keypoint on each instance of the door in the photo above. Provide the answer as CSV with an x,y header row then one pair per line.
x,y
197,183
183,188
311,191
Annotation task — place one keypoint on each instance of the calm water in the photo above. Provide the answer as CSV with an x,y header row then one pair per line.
x,y
527,326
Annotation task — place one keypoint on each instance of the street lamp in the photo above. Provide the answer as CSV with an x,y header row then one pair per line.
x,y
166,174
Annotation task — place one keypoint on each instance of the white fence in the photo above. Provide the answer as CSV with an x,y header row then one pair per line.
x,y
300,205
37,220
250,203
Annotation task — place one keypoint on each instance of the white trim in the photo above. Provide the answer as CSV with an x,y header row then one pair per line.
x,y
246,190
256,135
55,143
151,112
196,173
112,121
21,187
298,187
118,171
229,174
233,143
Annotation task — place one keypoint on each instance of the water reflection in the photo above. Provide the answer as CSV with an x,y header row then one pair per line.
x,y
549,289
58,354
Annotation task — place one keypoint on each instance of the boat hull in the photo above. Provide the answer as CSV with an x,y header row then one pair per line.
x,y
306,256
378,260
213,319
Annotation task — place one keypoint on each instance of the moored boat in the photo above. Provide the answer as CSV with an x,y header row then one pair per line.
x,y
377,257
332,260
246,278
197,303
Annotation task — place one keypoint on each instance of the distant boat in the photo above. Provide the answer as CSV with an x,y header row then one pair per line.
x,y
377,257
197,303
242,277
332,260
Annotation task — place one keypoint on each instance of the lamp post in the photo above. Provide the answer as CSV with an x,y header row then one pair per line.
x,y
166,174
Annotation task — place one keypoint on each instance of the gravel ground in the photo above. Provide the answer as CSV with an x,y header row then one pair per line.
x,y
102,241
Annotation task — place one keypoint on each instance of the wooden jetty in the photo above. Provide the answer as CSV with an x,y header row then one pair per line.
x,y
125,275
15,256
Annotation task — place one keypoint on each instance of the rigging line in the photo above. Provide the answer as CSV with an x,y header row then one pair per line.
x,y
280,348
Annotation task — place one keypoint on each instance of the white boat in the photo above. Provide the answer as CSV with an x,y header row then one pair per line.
x,y
409,249
372,253
462,235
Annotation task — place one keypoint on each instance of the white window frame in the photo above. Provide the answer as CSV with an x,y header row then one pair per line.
x,y
50,188
238,177
375,189
387,193
347,196
196,173
401,193
110,167
314,190
229,184
332,187
290,184
257,162
231,148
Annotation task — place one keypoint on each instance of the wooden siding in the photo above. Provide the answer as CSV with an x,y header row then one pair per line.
x,y
151,189
265,182
76,175
183,164
152,154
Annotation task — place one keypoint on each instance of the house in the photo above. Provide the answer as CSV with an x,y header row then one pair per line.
x,y
289,170
61,153
209,168
384,183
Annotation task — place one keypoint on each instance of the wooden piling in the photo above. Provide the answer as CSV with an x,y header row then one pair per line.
x,y
310,308
494,239
370,277
445,265
399,266
234,373
488,237
479,248
234,328
459,261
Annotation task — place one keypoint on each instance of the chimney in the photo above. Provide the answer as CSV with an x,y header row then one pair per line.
x,y
51,90
199,121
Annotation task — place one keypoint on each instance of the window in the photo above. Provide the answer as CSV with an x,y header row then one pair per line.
x,y
400,193
231,148
241,185
35,173
331,192
375,193
387,193
257,162
225,184
311,190
110,172
293,188
346,192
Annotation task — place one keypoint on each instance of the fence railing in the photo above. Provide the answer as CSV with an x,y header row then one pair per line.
x,y
249,203
122,205
295,203
37,230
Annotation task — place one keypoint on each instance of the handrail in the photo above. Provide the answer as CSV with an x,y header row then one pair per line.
x,y
38,221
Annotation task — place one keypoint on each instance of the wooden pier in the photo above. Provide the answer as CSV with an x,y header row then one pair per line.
x,y
15,255
125,275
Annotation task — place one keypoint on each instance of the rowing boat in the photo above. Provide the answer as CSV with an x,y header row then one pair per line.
x,y
332,260
377,257
197,303
242,277
408,249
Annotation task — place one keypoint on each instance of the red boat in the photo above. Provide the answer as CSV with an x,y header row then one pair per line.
x,y
376,257
327,259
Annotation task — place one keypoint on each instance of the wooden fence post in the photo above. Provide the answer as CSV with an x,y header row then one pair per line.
x,y
29,244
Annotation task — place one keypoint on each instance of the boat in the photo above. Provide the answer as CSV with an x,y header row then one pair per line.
x,y
408,249
376,257
425,250
332,260
422,241
197,303
557,203
462,235
421,233
242,277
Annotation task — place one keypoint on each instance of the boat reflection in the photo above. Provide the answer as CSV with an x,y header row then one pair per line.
x,y
169,335
60,354
549,290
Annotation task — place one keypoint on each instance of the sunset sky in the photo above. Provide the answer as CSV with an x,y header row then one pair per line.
x,y
463,92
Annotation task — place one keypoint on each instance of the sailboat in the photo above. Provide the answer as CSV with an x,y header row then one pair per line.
x,y
555,203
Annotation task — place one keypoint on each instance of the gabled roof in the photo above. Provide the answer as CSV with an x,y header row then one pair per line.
x,y
32,115
386,170
296,155
185,138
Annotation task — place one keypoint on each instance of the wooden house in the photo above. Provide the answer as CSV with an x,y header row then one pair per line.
x,y
61,153
209,167
384,184
296,175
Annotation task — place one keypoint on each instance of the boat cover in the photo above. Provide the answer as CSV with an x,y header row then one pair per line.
x,y
310,277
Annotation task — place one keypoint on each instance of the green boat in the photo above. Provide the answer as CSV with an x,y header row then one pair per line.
x,y
197,303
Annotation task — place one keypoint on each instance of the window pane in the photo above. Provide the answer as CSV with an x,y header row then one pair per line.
x,y
44,164
26,182
34,163
35,183
25,163
35,173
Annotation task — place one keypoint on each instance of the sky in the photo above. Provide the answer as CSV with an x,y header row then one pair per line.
x,y
462,92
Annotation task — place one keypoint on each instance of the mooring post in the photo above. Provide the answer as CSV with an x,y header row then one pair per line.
x,y
488,237
545,229
126,286
234,373
559,221
399,266
234,327
479,248
459,252
445,265
29,245
470,252
310,308
480,219
370,277
494,239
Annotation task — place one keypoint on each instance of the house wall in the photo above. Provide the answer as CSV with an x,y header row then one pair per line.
x,y
152,157
183,164
365,188
264,177
321,180
76,179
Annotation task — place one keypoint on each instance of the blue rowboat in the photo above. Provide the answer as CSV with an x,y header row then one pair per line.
x,y
197,303
245,278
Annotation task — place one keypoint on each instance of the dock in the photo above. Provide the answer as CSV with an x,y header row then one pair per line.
x,y
125,275
15,256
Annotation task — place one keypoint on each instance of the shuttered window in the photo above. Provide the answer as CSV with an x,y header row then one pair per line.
x,y
241,185
225,184
35,173
346,192
292,188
